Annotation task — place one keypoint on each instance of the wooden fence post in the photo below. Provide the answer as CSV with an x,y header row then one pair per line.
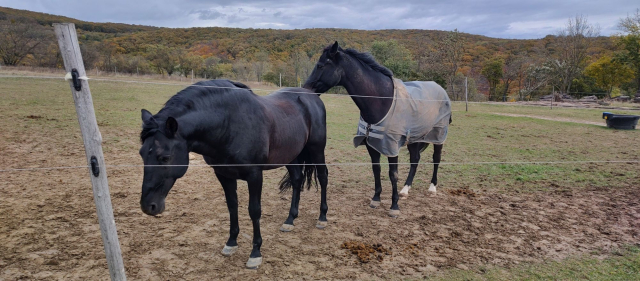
x,y
70,50
466,95
553,95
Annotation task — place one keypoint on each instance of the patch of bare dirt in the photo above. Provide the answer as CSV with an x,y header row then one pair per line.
x,y
49,228
461,191
366,252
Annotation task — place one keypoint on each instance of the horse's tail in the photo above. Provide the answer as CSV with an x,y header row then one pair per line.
x,y
309,173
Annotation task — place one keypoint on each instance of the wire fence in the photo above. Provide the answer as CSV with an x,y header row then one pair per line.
x,y
337,164
220,87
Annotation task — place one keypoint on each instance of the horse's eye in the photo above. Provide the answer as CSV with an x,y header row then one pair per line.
x,y
320,66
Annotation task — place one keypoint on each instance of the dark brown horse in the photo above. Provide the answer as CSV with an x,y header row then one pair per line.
x,y
239,134
375,92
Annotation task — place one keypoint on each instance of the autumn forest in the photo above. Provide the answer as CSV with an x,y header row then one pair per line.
x,y
576,60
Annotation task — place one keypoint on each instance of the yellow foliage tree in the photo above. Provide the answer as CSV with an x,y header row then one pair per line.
x,y
609,73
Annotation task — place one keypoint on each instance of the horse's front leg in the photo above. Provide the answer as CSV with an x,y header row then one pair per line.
x,y
375,165
393,176
254,181
230,187
414,158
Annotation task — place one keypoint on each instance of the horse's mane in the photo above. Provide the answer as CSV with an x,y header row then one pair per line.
x,y
368,60
203,94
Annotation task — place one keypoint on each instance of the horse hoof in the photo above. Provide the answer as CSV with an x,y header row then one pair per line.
x,y
254,263
229,250
286,227
432,189
321,224
374,204
403,195
394,213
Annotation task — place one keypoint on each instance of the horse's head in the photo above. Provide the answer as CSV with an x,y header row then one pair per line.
x,y
166,159
327,72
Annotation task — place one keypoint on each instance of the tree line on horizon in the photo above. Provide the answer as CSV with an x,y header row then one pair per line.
x,y
575,60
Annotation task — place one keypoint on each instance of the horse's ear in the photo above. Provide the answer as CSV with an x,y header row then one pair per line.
x,y
334,49
147,117
172,126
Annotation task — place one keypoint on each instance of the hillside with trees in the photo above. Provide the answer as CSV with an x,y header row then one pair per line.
x,y
575,60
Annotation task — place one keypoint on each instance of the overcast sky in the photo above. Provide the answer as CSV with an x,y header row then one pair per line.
x,y
499,18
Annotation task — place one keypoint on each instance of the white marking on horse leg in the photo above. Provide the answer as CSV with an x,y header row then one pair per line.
x,y
254,263
286,227
404,193
432,188
229,250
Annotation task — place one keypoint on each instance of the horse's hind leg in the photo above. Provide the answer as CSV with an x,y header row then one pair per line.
x,y
437,153
393,176
375,165
414,158
254,181
323,178
295,175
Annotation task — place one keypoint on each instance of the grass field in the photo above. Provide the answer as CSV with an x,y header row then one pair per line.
x,y
475,136
39,129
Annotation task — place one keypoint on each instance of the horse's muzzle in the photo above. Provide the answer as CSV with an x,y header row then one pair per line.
x,y
308,86
152,208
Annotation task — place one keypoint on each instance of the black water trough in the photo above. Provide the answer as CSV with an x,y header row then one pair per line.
x,y
621,121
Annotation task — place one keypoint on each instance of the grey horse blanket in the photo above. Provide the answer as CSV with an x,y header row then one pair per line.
x,y
421,112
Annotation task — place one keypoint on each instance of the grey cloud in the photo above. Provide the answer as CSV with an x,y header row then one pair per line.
x,y
495,18
208,14
236,19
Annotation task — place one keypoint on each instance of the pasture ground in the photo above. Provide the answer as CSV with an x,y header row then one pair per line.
x,y
487,221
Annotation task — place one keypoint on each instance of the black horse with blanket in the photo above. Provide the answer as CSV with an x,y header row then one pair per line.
x,y
392,113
